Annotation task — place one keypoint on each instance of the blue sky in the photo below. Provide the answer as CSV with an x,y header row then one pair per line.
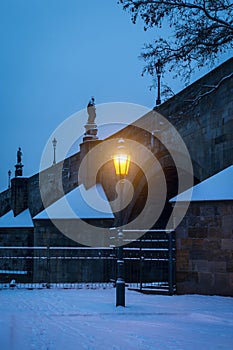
x,y
55,54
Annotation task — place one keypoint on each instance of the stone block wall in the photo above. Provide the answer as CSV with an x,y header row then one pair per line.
x,y
16,236
53,183
204,242
58,259
15,254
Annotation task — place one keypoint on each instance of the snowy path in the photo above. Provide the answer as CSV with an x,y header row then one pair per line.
x,y
88,319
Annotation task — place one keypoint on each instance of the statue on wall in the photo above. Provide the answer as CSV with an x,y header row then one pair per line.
x,y
91,127
19,156
19,165
91,110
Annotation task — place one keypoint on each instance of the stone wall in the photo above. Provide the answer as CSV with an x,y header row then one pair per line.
x,y
53,183
16,237
204,243
15,254
62,260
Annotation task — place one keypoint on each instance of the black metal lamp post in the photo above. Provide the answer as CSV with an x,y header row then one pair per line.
x,y
9,179
54,142
158,67
121,163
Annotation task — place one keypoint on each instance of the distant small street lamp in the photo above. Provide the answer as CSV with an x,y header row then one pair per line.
x,y
54,142
121,161
158,67
9,179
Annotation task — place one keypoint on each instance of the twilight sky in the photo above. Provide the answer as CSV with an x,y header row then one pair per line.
x,y
55,54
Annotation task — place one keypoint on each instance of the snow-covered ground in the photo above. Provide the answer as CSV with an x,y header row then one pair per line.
x,y
88,319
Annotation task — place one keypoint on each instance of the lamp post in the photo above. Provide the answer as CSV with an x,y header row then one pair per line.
x,y
9,179
121,161
158,67
54,142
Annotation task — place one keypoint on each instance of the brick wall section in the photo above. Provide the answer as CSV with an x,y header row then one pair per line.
x,y
205,249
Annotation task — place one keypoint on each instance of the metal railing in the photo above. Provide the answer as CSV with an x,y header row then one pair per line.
x,y
149,265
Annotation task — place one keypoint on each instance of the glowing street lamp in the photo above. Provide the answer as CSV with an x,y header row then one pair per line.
x,y
121,161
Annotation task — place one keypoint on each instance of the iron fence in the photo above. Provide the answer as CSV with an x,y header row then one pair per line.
x,y
149,265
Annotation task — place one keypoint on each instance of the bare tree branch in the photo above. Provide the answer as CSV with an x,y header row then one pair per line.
x,y
200,31
213,88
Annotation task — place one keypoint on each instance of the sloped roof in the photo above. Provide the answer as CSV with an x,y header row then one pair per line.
x,y
216,188
22,220
80,203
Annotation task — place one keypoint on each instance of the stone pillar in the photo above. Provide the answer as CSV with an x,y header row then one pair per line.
x,y
87,173
91,127
90,133
19,194
18,170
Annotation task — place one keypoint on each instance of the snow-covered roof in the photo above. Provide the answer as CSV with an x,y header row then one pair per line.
x,y
80,203
216,188
22,220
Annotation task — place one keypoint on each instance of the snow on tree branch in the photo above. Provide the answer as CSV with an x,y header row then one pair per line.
x,y
212,89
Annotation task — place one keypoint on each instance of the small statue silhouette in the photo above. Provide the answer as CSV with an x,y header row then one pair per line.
x,y
19,156
91,111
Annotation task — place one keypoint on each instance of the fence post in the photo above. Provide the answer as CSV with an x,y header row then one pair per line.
x,y
170,264
48,268
141,270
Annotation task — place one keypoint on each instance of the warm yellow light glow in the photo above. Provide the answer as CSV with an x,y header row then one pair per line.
x,y
121,163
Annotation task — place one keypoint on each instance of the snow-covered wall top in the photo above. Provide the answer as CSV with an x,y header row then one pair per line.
x,y
80,203
215,188
22,220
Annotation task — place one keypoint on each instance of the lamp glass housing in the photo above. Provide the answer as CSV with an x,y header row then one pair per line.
x,y
121,163
158,67
54,142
